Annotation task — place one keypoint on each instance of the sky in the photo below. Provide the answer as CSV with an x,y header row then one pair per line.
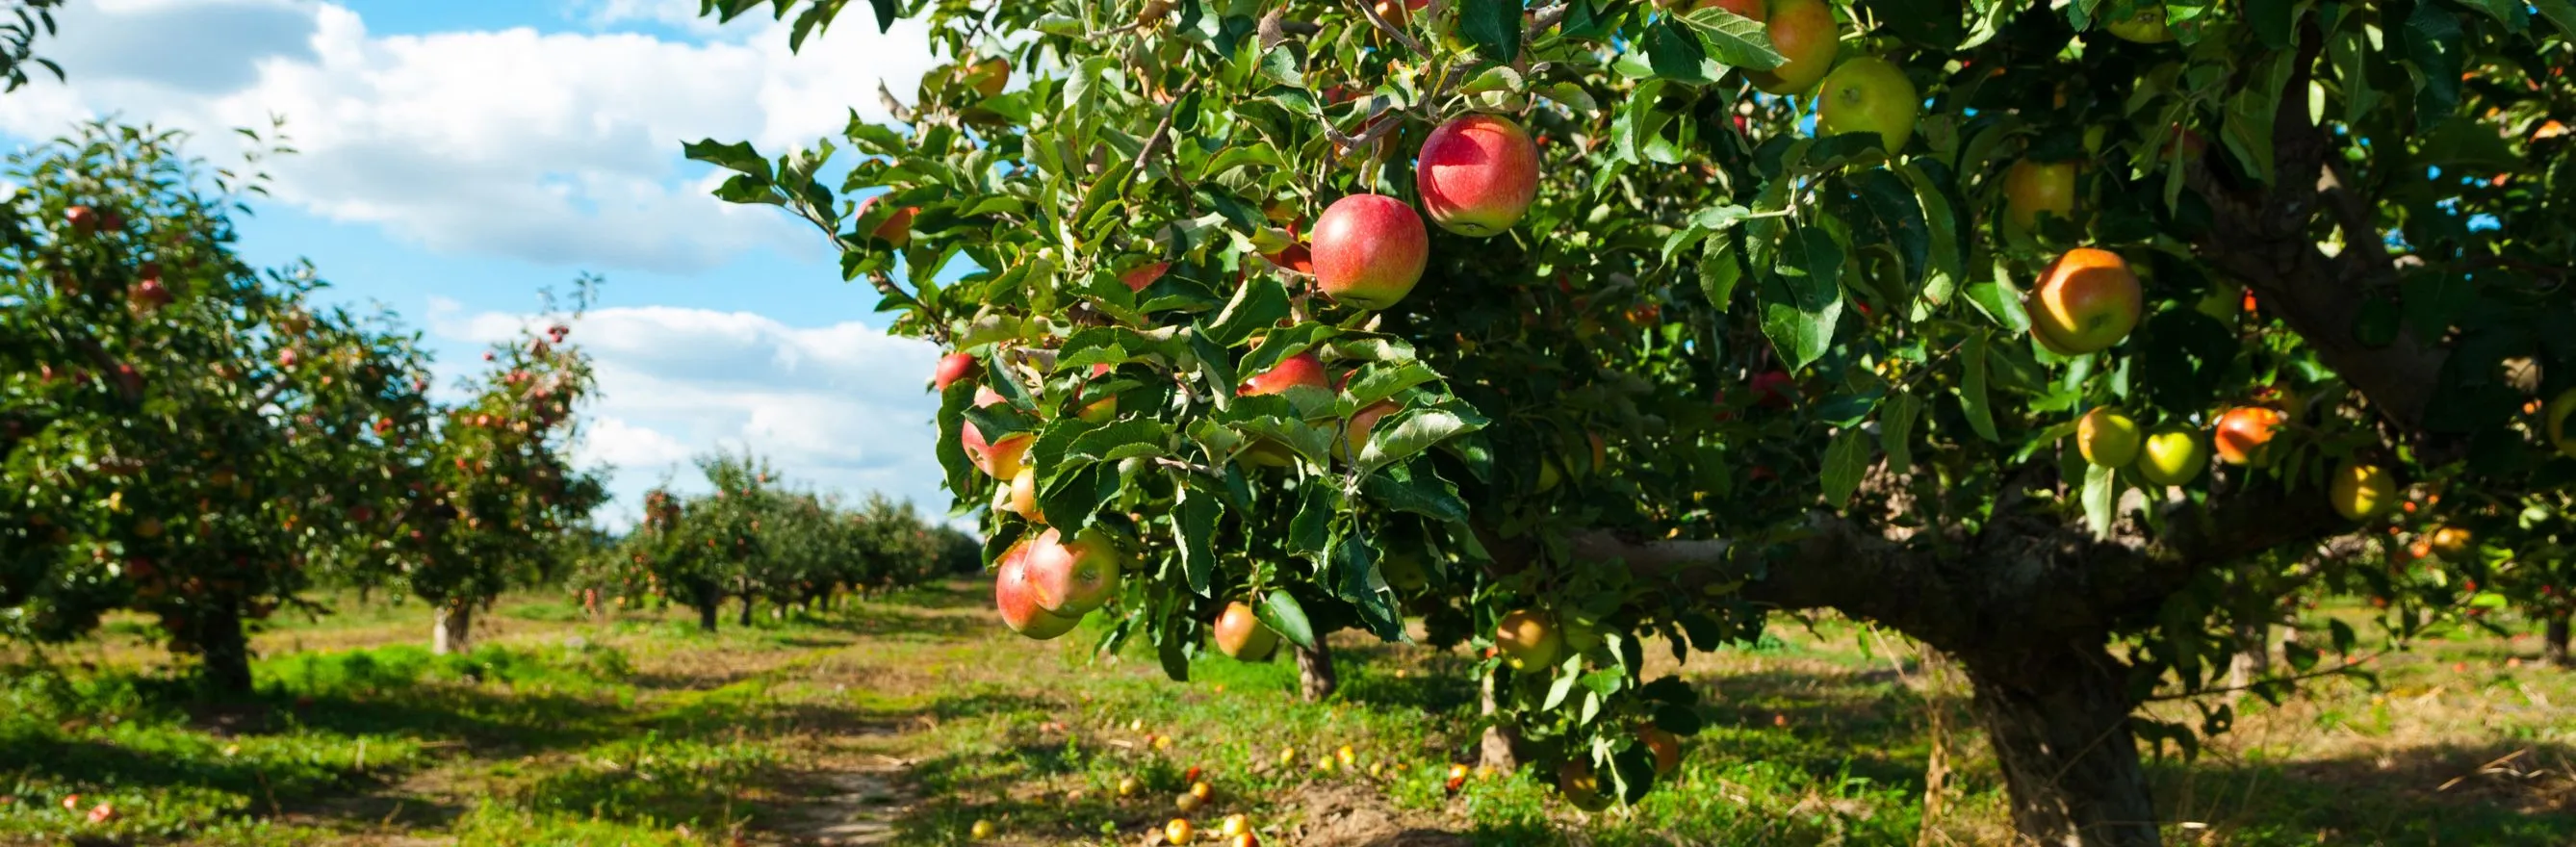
x,y
457,156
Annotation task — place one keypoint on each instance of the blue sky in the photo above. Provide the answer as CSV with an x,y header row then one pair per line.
x,y
459,155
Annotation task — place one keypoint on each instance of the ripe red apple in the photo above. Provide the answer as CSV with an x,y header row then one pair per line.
x,y
897,228
1774,389
1016,596
1241,635
1141,276
84,220
149,295
1666,747
1869,94
1301,369
1400,14
1477,174
286,358
1369,250
2086,301
2034,187
952,367
1804,33
1530,639
1073,577
2243,432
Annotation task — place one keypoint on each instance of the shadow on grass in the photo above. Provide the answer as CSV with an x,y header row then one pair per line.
x,y
2486,795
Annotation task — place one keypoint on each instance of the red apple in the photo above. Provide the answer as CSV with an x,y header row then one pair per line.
x,y
1071,578
1016,597
1477,174
84,220
149,295
2243,432
897,229
1301,369
1774,390
1804,32
952,367
1369,250
1241,635
2086,301
1355,436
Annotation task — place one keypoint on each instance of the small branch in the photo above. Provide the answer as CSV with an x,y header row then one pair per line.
x,y
1163,130
1390,29
1547,17
1192,467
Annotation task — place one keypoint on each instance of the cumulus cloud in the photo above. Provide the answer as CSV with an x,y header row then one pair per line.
x,y
839,407
555,148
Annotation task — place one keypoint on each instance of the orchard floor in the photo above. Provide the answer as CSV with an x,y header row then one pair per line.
x,y
905,720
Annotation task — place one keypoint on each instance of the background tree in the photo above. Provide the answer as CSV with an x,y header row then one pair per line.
x,y
178,429
1920,312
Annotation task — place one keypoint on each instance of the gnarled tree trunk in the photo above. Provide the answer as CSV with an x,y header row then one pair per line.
x,y
222,648
2553,642
2059,724
2253,659
1499,748
1315,680
451,629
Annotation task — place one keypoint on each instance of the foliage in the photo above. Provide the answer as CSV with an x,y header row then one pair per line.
x,y
1822,373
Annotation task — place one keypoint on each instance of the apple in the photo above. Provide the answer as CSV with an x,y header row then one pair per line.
x,y
1188,803
1529,638
1774,390
1016,596
2172,455
1000,460
1666,747
2359,491
1804,33
1369,250
2145,25
1021,496
981,830
1073,577
897,228
2243,432
1403,571
1178,831
2086,301
149,295
2033,187
1477,174
989,76
1301,369
1869,94
1355,436
1137,278
2107,438
84,220
1235,825
1242,635
1580,786
952,367
1400,14
2452,542
1128,786
2556,421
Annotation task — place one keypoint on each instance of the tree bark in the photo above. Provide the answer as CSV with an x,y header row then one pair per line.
x,y
223,650
1499,748
1315,680
451,628
745,620
2059,724
2253,659
2553,642
710,603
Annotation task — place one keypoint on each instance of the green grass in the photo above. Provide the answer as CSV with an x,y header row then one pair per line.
x,y
918,715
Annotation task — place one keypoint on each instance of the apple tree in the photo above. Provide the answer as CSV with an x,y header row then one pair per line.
x,y
177,429
2074,340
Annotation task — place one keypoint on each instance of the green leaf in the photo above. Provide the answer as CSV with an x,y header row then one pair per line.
x,y
1846,460
1721,266
1734,39
1071,499
1119,440
1896,430
1675,52
2560,12
1365,588
1802,299
1972,387
2434,43
2248,127
1195,535
2274,21
885,14
1494,26
1378,382
1172,650
1410,488
1258,305
2000,301
1944,265
1281,612
738,157
2101,497
1900,215
1416,430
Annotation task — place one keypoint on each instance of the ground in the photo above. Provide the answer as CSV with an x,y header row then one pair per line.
x,y
905,720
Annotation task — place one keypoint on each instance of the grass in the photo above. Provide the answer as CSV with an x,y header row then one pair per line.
x,y
912,717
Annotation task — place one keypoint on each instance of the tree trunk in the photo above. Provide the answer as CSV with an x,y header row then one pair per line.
x,y
2553,642
745,620
451,628
2059,724
710,603
1499,748
223,649
1315,680
2253,659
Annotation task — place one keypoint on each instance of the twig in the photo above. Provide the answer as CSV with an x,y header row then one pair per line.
x,y
1163,130
1192,467
1390,29
1547,17
2348,664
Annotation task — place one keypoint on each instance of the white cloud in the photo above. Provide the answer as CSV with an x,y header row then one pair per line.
x,y
839,407
556,148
